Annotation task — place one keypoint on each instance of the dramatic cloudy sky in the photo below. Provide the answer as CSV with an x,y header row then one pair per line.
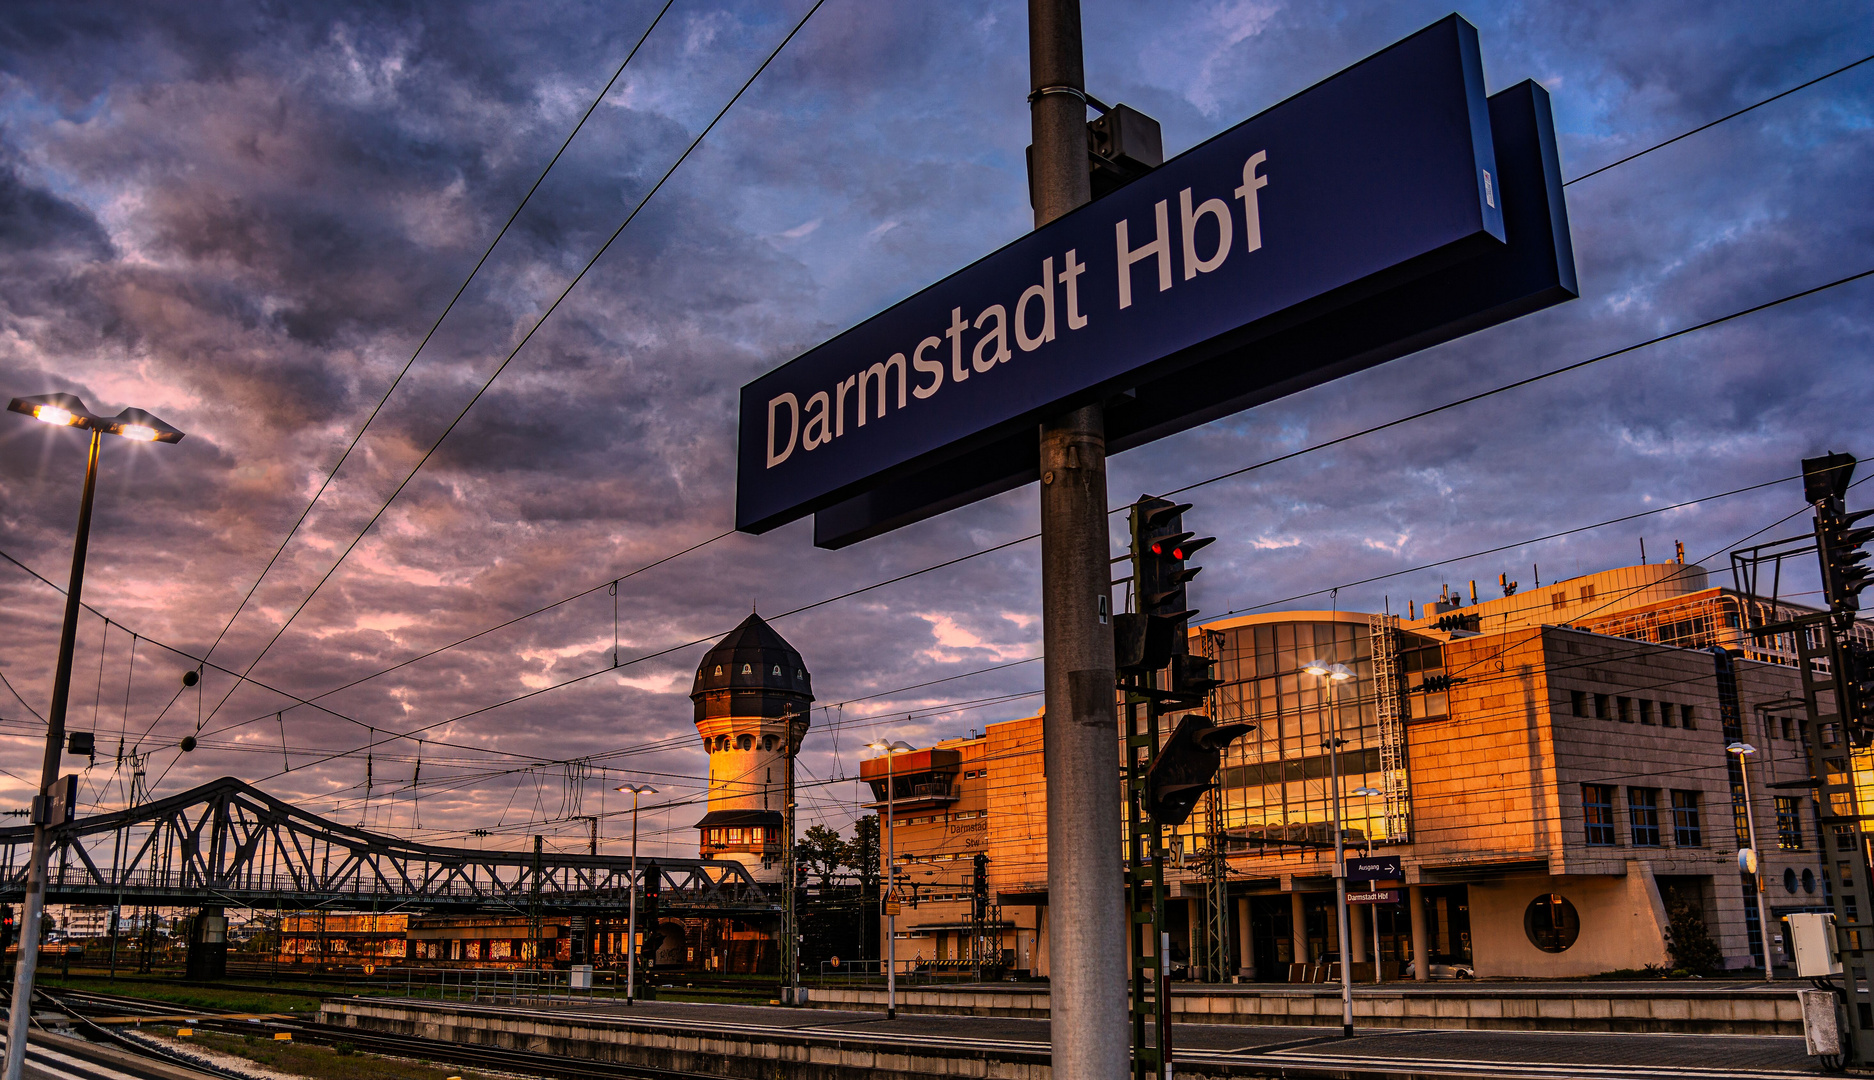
x,y
244,217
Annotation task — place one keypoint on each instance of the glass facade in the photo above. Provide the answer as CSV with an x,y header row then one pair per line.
x,y
1276,782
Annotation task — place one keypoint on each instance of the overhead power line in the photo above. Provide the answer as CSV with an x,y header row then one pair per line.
x,y
535,328
434,326
1500,389
1601,169
1719,120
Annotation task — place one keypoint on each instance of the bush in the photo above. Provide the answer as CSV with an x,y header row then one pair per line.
x,y
1689,942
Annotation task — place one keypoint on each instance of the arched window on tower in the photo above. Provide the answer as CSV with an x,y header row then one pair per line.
x,y
777,669
744,742
718,671
748,669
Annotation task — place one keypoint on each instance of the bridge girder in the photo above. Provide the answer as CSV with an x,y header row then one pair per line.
x,y
227,842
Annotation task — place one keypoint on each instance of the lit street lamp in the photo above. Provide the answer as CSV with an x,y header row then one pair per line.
x,y
61,410
1743,750
1333,675
1373,912
631,923
888,898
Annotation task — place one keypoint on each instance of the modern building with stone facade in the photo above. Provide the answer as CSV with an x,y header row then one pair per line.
x,y
1550,809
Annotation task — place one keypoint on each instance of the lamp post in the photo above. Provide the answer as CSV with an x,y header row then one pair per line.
x,y
61,410
888,899
631,922
1368,793
1743,750
1332,675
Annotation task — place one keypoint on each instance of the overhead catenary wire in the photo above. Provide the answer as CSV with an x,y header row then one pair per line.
x,y
1676,137
431,333
1502,388
1719,120
535,328
1601,169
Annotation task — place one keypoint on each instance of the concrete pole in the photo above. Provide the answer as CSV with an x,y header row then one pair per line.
x,y
1245,954
790,953
35,905
1298,927
1080,730
890,898
631,922
1340,874
1421,934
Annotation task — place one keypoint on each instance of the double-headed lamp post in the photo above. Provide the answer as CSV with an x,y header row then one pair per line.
x,y
1333,675
61,410
631,923
887,898
1370,793
1743,750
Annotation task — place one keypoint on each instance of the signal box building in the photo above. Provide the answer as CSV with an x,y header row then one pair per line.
x,y
1552,806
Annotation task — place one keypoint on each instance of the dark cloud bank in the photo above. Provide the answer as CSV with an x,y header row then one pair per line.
x,y
244,218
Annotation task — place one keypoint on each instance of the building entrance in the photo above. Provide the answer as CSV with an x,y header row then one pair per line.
x,y
1271,937
1448,923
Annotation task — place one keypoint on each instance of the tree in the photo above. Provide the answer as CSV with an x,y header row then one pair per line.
x,y
1689,942
862,850
822,853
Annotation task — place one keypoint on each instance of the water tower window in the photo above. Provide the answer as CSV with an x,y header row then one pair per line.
x,y
748,669
718,671
745,742
777,669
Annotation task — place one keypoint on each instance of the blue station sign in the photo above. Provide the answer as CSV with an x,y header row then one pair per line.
x,y
1374,868
1280,253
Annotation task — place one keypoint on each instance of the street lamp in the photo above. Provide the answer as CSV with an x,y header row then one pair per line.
x,y
1743,750
1369,793
631,924
1333,675
888,898
61,410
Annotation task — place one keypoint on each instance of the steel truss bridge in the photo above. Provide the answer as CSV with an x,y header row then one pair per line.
x,y
228,843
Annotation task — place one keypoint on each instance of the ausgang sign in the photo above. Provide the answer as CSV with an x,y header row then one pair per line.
x,y
1342,196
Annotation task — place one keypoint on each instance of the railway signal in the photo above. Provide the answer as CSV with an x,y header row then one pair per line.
x,y
1156,634
1840,542
1187,767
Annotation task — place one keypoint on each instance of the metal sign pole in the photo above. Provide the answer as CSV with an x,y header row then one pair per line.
x,y
1087,973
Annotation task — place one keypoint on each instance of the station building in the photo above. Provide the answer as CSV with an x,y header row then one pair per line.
x,y
1550,810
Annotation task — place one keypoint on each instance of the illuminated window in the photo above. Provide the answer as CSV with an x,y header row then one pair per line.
x,y
748,669
735,836
777,669
1789,822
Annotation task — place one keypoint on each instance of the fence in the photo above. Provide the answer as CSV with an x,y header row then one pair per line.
x,y
512,986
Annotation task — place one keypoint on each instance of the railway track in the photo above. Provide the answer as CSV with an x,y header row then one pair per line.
x,y
527,1062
